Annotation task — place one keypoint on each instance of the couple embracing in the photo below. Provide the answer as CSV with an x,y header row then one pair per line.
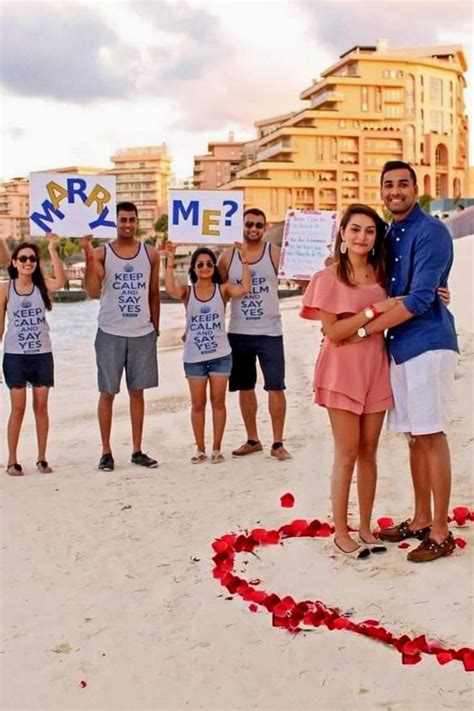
x,y
357,383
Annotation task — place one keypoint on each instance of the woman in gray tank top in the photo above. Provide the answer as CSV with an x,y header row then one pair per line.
x,y
27,346
207,353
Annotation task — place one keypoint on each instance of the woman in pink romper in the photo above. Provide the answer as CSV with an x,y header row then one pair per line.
x,y
351,377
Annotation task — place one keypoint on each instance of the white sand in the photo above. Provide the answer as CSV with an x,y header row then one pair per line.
x,y
106,577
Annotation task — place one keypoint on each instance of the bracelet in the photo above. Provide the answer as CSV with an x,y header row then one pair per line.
x,y
377,313
170,266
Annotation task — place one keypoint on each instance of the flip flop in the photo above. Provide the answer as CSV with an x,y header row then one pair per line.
x,y
199,458
15,469
375,547
217,457
43,467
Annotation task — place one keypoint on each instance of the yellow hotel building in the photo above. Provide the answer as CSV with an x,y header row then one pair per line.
x,y
375,104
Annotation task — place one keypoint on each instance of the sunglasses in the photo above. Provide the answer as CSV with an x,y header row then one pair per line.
x,y
23,258
200,265
258,225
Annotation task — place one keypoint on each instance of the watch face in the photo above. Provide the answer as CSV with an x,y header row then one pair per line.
x,y
361,332
369,313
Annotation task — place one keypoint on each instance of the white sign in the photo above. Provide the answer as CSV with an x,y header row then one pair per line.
x,y
205,216
308,239
72,205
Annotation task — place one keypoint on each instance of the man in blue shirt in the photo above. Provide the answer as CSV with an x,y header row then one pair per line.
x,y
422,345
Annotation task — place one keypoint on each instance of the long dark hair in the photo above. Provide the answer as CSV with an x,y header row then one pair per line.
x,y
377,257
216,277
36,276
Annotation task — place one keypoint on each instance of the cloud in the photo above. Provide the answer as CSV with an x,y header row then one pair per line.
x,y
342,24
62,51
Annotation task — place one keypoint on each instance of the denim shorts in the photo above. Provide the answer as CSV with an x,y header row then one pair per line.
x,y
136,355
207,368
246,349
36,369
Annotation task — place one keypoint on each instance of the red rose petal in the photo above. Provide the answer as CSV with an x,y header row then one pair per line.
x,y
411,658
287,501
404,545
460,542
253,607
385,523
83,684
444,657
255,581
468,659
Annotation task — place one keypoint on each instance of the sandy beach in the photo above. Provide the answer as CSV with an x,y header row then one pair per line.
x,y
107,577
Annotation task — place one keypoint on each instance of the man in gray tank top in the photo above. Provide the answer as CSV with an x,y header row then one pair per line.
x,y
255,333
124,274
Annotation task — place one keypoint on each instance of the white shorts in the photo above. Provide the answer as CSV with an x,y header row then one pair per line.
x,y
423,392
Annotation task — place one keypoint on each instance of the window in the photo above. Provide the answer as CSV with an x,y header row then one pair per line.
x,y
410,95
436,121
333,150
319,148
297,174
378,98
392,111
342,123
436,92
410,143
364,98
274,201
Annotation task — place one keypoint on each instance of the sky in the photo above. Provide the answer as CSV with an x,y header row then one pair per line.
x,y
83,78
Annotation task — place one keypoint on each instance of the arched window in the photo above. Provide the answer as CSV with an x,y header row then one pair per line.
x,y
441,156
427,185
456,188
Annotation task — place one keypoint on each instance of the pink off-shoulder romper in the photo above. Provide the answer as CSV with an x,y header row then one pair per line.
x,y
353,377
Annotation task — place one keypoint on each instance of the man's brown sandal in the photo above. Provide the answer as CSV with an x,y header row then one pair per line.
x,y
248,447
401,531
430,549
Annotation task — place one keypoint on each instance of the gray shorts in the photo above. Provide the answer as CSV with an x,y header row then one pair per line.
x,y
136,354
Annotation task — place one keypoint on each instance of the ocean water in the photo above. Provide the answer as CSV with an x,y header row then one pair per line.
x,y
73,326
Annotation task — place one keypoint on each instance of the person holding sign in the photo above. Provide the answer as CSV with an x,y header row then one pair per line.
x,y
27,348
207,353
352,380
124,274
255,332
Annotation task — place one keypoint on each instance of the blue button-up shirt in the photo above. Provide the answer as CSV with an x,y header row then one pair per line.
x,y
420,255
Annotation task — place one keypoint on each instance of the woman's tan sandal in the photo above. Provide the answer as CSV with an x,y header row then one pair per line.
x,y
401,531
217,457
199,458
43,467
15,469
430,549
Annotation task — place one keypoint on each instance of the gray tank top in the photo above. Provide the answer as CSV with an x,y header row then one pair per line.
x,y
256,313
27,330
124,304
206,338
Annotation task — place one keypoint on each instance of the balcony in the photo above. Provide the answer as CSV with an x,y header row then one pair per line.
x,y
281,146
326,97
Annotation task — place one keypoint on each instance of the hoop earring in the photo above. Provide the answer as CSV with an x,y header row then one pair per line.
x,y
343,247
373,251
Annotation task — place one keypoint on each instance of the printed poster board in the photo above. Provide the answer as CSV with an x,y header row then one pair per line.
x,y
205,216
72,205
308,239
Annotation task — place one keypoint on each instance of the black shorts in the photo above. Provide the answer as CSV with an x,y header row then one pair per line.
x,y
245,351
36,369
